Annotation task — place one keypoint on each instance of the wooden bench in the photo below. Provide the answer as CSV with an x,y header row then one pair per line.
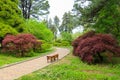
x,y
52,58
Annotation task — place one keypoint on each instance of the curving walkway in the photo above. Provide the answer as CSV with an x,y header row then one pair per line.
x,y
18,70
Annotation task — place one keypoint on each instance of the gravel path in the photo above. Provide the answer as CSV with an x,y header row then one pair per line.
x,y
18,70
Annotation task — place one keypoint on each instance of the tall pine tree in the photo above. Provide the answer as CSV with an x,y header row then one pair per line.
x,y
34,8
67,23
100,15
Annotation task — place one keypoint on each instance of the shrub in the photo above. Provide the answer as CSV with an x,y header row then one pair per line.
x,y
20,44
57,44
37,46
40,30
42,46
45,46
90,45
8,43
4,29
65,43
66,36
61,43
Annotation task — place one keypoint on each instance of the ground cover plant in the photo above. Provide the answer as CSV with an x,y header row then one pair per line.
x,y
92,45
72,68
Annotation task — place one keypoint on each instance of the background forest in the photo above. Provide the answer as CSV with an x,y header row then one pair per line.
x,y
19,16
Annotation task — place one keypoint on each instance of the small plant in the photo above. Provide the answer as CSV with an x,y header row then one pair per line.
x,y
90,45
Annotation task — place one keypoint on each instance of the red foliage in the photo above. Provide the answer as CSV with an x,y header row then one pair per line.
x,y
37,45
90,44
21,43
8,43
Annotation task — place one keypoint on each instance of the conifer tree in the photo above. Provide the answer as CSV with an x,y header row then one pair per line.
x,y
100,15
11,20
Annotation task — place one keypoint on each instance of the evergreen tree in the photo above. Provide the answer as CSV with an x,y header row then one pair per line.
x,y
56,21
108,20
10,17
101,15
67,23
56,26
53,28
49,23
34,8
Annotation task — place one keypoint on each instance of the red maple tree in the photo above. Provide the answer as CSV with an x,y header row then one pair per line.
x,y
91,44
20,44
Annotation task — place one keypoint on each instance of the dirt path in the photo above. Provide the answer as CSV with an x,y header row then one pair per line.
x,y
18,70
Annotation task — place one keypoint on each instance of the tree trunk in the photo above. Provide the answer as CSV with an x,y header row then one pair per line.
x,y
100,57
26,7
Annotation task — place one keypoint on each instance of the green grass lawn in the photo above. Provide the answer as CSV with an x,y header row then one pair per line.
x,y
6,59
72,68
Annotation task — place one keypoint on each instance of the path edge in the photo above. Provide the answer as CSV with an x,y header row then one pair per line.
x,y
8,65
11,64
